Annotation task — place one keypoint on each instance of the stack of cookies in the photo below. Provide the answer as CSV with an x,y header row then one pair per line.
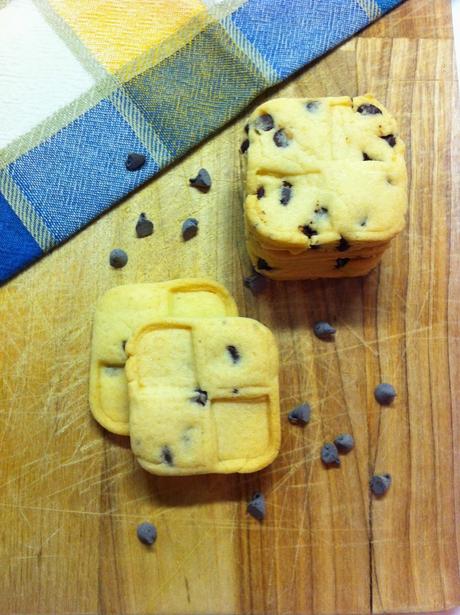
x,y
326,186
193,384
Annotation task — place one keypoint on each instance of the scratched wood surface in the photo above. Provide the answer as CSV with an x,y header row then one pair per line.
x,y
71,495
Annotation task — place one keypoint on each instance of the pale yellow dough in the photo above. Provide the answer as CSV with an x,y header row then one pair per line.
x,y
122,310
335,195
234,363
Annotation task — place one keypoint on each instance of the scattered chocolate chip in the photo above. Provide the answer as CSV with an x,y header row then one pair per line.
x,y
134,161
341,262
366,157
167,456
147,533
343,245
264,122
256,283
144,226
189,228
233,351
390,139
256,506
380,483
280,138
118,258
308,230
313,106
368,109
263,265
260,192
244,146
330,454
384,394
285,193
202,181
344,442
321,211
323,330
246,129
300,415
201,397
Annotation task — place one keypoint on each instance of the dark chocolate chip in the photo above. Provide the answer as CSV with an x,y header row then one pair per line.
x,y
264,122
315,246
285,193
384,394
244,146
246,129
363,222
323,330
344,442
390,139
189,228
147,533
134,161
380,483
144,226
263,265
123,344
235,391
343,245
260,192
118,258
280,138
233,351
368,109
366,157
256,506
308,230
341,262
330,454
167,456
201,397
321,211
300,415
313,106
256,283
202,181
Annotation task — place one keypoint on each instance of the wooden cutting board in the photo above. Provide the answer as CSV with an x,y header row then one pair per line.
x,y
72,495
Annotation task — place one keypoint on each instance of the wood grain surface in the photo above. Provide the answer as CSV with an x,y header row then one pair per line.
x,y
72,495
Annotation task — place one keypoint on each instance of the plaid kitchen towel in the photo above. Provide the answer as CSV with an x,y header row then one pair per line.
x,y
85,82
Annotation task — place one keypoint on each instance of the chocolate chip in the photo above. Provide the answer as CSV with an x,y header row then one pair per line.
x,y
144,226
244,146
313,106
380,483
330,454
147,533
341,262
366,157
300,415
202,181
233,351
363,222
263,265
384,394
201,397
323,330
260,192
256,506
344,442
285,193
246,129
390,139
256,283
315,246
343,245
308,230
189,228
123,344
167,456
264,122
321,211
134,161
118,258
235,391
280,138
368,109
